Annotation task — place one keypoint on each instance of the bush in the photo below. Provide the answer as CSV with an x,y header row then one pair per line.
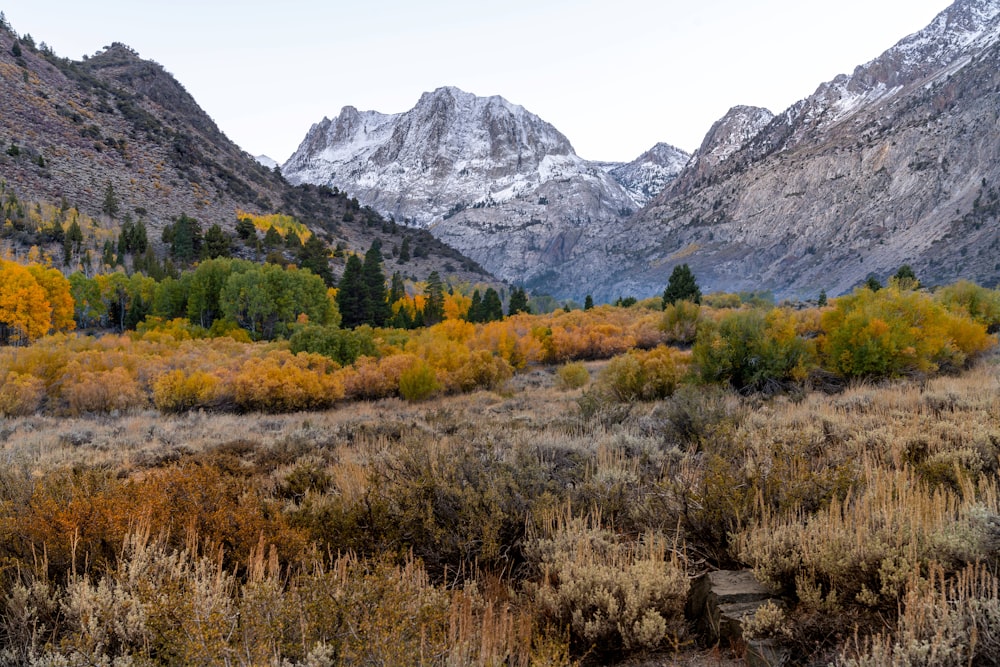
x,y
283,382
342,345
680,321
891,333
178,391
418,382
20,395
643,376
572,375
612,594
753,351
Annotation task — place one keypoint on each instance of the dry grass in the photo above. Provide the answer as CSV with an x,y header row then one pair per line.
x,y
866,506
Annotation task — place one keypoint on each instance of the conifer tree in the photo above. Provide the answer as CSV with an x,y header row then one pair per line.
x,y
434,307
492,308
475,313
518,302
351,294
377,305
588,303
316,257
681,287
397,290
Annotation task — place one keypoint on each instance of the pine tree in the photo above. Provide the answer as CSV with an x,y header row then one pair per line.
x,y
110,205
315,256
397,290
821,301
352,294
434,307
378,310
588,303
518,302
475,313
492,308
681,287
217,243
404,252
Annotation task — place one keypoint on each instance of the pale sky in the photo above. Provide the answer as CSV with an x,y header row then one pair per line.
x,y
614,77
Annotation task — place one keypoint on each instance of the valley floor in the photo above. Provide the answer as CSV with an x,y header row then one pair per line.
x,y
531,525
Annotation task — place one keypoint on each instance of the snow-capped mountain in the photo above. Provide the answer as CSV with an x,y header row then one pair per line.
x,y
487,176
648,175
266,161
897,163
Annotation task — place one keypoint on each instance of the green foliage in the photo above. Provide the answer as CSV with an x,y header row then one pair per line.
x,y
434,307
315,256
352,294
895,332
268,300
681,286
342,345
588,302
979,303
680,322
184,237
110,205
217,243
418,382
518,302
377,307
572,375
821,300
753,350
642,375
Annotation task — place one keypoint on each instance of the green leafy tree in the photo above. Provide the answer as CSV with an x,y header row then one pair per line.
x,y
268,300
681,286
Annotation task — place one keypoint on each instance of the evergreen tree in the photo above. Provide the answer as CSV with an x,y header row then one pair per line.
x,y
110,205
352,294
434,307
272,239
905,278
492,308
821,301
108,256
681,287
245,229
315,256
475,313
397,290
404,252
518,302
873,283
184,237
377,305
588,303
217,243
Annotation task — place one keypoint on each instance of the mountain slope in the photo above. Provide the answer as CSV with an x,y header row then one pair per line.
x,y
897,163
75,130
485,175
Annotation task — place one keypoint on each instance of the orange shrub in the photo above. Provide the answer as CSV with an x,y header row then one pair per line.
x,y
283,382
20,394
372,378
177,391
100,391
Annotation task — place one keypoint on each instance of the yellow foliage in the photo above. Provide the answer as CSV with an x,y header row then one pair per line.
x,y
456,306
178,391
20,394
281,223
25,311
283,382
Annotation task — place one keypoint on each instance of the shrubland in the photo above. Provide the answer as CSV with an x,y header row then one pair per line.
x,y
532,490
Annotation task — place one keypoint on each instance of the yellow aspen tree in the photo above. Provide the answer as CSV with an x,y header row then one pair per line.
x,y
25,312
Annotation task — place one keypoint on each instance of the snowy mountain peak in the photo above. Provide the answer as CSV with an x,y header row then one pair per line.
x,y
650,173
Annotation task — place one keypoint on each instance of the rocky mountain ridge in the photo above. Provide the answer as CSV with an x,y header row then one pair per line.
x,y
897,163
485,175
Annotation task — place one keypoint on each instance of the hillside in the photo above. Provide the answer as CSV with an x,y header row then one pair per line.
x,y
75,130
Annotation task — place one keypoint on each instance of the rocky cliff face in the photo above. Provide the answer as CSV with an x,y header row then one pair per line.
x,y
897,163
484,175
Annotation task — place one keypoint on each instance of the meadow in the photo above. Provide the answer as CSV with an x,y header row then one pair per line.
x,y
539,490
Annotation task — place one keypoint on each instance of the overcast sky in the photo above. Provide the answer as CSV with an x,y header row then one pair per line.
x,y
614,77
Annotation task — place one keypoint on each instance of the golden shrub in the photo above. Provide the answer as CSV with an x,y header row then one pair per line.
x,y
283,382
20,394
178,391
